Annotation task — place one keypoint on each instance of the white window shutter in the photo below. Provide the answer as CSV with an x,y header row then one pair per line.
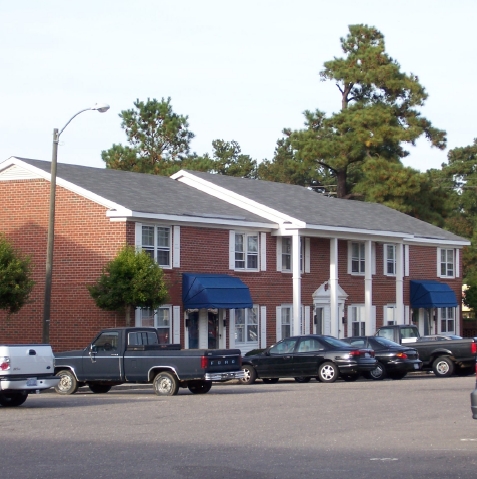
x,y
263,251
373,258
138,236
176,247
457,263
406,260
231,249
350,252
137,317
307,255
279,253
307,319
406,315
263,327
349,321
176,324
231,328
279,322
438,261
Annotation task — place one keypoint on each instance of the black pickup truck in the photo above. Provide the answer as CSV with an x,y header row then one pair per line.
x,y
134,355
443,356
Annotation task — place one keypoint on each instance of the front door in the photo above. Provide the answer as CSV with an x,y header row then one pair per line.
x,y
102,359
213,330
193,328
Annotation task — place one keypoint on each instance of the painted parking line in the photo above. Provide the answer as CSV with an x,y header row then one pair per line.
x,y
384,459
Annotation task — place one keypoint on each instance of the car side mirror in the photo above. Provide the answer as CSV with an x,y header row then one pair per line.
x,y
93,348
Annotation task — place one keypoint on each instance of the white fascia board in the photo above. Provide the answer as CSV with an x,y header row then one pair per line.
x,y
123,214
437,242
235,199
63,183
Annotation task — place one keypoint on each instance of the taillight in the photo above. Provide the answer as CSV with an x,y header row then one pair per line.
x,y
5,363
354,353
203,362
401,355
474,348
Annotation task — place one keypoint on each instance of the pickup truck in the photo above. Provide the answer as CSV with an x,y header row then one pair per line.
x,y
443,356
25,368
135,355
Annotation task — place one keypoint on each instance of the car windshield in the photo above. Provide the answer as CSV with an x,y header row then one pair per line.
x,y
333,342
384,341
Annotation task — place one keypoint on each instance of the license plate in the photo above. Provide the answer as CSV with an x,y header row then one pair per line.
x,y
31,382
416,366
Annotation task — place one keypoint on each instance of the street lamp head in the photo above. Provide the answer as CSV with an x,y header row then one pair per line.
x,y
101,107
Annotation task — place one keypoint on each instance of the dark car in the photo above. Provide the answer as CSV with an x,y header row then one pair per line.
x,y
394,360
304,357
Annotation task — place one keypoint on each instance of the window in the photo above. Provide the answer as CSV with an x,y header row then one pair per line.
x,y
286,254
390,260
283,347
246,251
446,261
140,338
285,262
358,325
159,319
447,320
357,258
156,241
246,325
107,341
286,321
389,314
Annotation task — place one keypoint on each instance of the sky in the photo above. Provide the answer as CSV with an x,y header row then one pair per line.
x,y
240,70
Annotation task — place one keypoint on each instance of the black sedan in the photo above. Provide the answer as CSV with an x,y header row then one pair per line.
x,y
304,357
394,360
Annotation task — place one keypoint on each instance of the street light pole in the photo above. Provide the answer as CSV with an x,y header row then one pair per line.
x,y
101,107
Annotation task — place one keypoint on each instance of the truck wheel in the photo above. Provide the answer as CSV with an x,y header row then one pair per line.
x,y
99,388
67,384
379,373
443,367
199,387
250,374
165,384
328,373
13,399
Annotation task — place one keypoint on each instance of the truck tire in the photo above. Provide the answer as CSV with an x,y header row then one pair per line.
x,y
250,374
99,388
379,373
199,387
328,373
443,367
68,384
13,399
165,384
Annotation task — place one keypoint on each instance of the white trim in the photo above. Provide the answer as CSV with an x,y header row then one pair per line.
x,y
406,260
263,327
263,251
457,263
279,253
232,249
306,320
278,320
176,247
138,236
231,328
176,324
307,255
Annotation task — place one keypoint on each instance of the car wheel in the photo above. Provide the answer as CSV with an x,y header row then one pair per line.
x,y
443,367
379,373
68,384
398,375
99,388
13,399
328,373
350,377
302,379
250,374
199,387
165,384
270,380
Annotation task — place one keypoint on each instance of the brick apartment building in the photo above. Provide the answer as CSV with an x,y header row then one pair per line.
x,y
247,262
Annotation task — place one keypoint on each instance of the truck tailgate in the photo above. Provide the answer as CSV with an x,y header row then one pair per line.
x,y
28,359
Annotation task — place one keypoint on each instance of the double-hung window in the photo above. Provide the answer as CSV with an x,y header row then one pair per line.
x,y
286,253
246,325
357,258
389,259
286,321
156,241
246,251
358,324
285,250
447,320
390,314
159,319
446,262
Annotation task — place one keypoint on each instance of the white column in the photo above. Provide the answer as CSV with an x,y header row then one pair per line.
x,y
296,283
399,284
333,285
368,287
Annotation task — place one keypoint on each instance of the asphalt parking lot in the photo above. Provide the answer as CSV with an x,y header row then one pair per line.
x,y
419,427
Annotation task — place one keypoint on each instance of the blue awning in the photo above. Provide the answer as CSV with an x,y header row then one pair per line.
x,y
212,291
432,294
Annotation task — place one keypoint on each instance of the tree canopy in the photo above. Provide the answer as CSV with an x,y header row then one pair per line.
x,y
15,277
132,279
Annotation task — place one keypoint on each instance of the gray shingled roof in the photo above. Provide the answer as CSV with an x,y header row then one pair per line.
x,y
148,193
319,210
